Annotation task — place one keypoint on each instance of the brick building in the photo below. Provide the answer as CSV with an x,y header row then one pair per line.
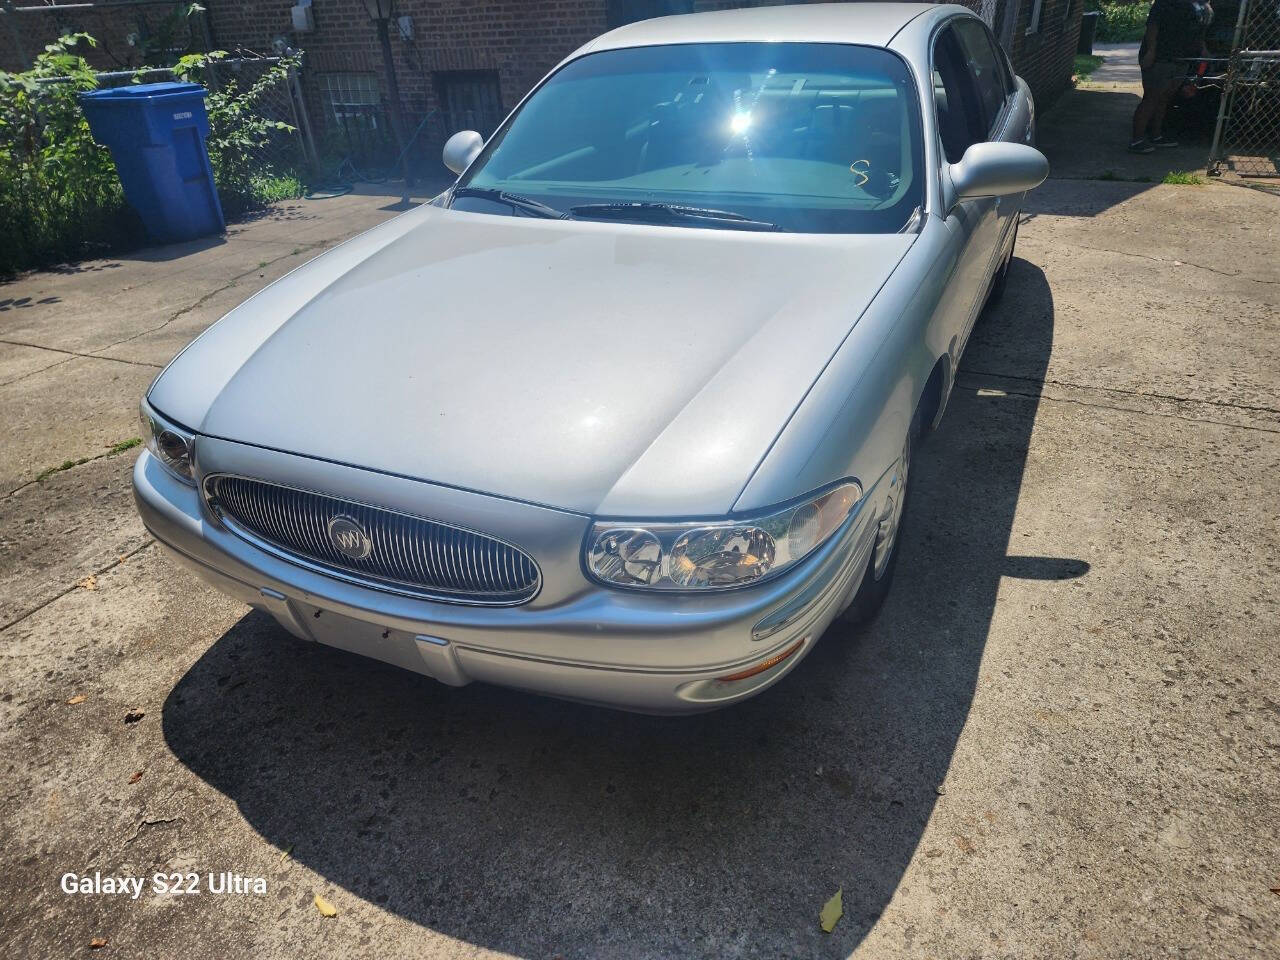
x,y
471,60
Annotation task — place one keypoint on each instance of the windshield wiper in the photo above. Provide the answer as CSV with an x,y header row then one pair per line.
x,y
524,204
670,213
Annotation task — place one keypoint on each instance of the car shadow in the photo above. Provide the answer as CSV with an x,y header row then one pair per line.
x,y
538,828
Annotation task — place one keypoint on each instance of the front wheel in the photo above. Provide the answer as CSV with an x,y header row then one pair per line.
x,y
878,578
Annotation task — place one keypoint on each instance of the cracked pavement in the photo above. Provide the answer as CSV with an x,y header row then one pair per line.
x,y
1062,737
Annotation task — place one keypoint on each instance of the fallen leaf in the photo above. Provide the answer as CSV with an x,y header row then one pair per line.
x,y
136,777
90,582
97,943
78,698
285,854
1276,891
133,716
832,911
326,908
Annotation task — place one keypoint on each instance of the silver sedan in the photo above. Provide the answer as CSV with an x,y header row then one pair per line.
x,y
627,414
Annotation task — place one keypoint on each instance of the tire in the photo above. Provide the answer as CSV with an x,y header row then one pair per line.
x,y
1001,279
883,562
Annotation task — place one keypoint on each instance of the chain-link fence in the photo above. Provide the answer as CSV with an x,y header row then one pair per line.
x,y
356,141
268,88
1246,138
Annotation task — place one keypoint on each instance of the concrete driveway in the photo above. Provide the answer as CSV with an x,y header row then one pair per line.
x,y
1062,737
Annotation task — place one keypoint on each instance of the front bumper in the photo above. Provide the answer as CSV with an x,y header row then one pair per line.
x,y
642,652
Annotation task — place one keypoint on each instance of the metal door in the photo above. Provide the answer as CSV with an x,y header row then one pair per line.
x,y
471,99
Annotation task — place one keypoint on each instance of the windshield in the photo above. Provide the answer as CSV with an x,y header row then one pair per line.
x,y
812,137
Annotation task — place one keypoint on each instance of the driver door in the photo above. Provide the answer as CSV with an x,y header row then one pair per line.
x,y
962,122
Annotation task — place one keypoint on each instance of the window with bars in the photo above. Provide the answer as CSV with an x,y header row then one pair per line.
x,y
348,95
472,99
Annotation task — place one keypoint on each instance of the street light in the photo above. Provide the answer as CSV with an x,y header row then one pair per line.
x,y
380,12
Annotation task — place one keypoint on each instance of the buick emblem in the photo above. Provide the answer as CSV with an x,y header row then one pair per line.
x,y
349,538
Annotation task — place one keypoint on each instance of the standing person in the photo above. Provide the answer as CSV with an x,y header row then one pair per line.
x,y
1175,31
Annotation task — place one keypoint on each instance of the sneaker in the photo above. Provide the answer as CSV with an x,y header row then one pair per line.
x,y
1141,146
1162,142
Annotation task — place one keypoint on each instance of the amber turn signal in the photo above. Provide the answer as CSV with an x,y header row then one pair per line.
x,y
765,664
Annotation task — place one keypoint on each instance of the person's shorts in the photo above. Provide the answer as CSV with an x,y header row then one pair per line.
x,y
1161,75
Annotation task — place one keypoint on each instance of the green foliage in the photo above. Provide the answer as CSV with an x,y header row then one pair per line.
x,y
1184,178
239,134
1121,22
271,189
160,42
60,197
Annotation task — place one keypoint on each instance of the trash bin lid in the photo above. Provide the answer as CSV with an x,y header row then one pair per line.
x,y
140,91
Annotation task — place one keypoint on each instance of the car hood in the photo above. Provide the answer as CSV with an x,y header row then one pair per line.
x,y
609,369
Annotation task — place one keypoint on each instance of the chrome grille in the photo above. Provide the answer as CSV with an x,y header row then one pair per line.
x,y
407,554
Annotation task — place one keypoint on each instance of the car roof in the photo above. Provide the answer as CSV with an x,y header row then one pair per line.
x,y
873,24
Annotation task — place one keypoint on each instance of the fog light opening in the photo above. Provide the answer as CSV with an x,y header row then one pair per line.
x,y
764,664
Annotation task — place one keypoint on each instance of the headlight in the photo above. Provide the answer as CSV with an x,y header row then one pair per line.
x,y
719,554
168,442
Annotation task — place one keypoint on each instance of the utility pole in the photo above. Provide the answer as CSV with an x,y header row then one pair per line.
x,y
380,12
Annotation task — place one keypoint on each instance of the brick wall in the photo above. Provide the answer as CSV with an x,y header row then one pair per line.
x,y
520,40
1045,58
112,28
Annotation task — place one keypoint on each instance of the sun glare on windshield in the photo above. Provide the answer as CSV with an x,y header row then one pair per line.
x,y
813,137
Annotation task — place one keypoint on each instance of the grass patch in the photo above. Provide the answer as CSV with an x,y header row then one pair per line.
x,y
64,465
120,447
1085,64
271,189
1183,178
257,192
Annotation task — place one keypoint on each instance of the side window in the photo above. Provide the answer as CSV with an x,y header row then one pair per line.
x,y
960,117
1006,68
984,64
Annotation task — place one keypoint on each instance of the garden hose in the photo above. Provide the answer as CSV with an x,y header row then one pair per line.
x,y
340,185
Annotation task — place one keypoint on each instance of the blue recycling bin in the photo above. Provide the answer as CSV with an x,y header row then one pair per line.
x,y
156,134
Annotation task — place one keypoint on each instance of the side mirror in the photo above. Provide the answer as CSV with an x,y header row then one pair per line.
x,y
461,149
997,169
